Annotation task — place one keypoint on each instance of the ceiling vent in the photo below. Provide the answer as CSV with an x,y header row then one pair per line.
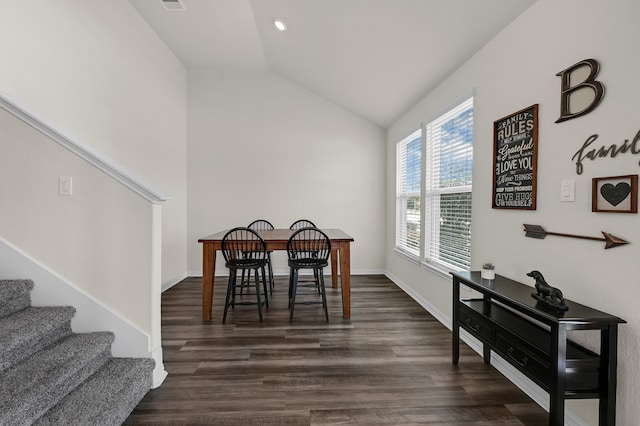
x,y
173,5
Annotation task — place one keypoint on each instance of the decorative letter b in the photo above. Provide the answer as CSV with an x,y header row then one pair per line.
x,y
567,90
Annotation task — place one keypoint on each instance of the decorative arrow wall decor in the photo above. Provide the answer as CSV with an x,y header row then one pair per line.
x,y
537,231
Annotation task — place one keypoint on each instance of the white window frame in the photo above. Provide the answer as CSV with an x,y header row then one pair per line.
x,y
402,244
430,193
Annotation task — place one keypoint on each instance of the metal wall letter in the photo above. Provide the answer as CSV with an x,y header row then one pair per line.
x,y
567,90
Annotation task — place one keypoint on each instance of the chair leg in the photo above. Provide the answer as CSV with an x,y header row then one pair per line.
x,y
290,285
257,284
230,292
233,275
294,288
264,286
324,293
272,283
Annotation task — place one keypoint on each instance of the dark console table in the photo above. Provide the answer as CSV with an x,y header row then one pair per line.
x,y
533,339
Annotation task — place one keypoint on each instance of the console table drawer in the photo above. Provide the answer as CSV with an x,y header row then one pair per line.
x,y
523,358
478,325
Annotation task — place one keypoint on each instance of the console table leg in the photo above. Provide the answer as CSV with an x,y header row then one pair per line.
x,y
558,374
486,353
455,327
486,310
608,374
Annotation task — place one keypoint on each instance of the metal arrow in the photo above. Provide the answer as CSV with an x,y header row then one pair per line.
x,y
537,231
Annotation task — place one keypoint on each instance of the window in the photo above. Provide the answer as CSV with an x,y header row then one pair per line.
x,y
445,195
449,166
408,181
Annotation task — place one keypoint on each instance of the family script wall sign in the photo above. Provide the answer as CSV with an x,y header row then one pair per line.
x,y
611,151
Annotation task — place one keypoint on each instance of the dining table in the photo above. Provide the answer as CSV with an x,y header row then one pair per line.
x,y
276,239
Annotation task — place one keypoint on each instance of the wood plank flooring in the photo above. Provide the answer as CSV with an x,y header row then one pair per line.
x,y
389,365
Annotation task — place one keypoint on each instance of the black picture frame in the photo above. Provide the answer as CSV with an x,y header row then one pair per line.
x,y
515,160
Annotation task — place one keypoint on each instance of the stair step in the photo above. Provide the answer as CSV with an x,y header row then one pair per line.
x,y
31,388
26,332
15,295
106,398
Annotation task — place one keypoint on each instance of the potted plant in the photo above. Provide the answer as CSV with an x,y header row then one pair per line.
x,y
488,271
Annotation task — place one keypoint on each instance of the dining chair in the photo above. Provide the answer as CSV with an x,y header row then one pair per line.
x,y
302,223
308,248
264,225
306,223
244,250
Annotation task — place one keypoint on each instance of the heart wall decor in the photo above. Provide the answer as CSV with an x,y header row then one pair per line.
x,y
618,194
615,194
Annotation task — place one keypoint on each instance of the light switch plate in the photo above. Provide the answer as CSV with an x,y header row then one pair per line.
x,y
568,190
65,185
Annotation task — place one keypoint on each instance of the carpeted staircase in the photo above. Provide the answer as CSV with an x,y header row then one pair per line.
x,y
52,376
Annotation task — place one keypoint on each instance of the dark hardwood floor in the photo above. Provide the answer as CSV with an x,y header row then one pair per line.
x,y
389,365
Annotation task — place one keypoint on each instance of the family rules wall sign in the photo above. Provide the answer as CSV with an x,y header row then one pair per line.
x,y
515,156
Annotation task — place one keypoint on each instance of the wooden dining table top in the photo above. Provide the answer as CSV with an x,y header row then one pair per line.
x,y
281,235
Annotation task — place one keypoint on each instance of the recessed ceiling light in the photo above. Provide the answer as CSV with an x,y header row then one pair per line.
x,y
279,24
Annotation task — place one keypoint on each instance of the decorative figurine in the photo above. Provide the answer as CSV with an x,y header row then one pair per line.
x,y
547,295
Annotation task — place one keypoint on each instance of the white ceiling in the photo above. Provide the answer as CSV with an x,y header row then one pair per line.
x,y
376,58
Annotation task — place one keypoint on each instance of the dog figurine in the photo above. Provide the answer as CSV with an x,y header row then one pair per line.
x,y
547,294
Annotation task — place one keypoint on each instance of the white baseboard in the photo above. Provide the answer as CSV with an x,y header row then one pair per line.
x,y
168,284
159,373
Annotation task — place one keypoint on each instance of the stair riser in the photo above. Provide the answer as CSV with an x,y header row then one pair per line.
x,y
25,350
118,387
8,307
15,295
48,395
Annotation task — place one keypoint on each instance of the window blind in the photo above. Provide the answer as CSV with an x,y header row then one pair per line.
x,y
408,198
448,183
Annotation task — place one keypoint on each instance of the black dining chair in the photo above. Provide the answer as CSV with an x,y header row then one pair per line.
x,y
306,223
264,225
244,250
308,248
302,223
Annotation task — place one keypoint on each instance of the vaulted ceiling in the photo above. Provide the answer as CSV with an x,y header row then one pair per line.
x,y
376,58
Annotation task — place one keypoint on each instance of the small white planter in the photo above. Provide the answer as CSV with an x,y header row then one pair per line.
x,y
487,274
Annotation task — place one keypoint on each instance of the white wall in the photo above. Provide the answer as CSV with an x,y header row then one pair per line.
x,y
97,73
515,70
262,147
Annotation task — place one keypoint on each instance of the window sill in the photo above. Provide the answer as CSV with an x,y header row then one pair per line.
x,y
438,270
410,257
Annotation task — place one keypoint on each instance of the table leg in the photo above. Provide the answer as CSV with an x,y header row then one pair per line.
x,y
558,374
455,327
486,310
208,274
608,374
334,267
345,278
